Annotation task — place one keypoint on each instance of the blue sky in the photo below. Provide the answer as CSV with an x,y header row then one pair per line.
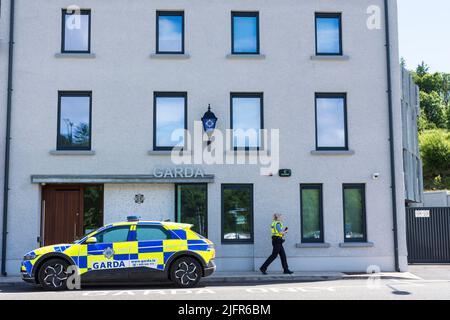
x,y
424,31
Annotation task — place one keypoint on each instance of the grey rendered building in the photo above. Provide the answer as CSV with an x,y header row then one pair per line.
x,y
97,94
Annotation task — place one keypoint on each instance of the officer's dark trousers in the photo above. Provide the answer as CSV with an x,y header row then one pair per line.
x,y
278,249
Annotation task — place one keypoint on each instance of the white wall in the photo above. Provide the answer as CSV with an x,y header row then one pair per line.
x,y
123,78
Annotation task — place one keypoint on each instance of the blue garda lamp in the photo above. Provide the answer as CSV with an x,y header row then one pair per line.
x,y
209,121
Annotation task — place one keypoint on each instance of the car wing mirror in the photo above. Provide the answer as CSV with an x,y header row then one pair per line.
x,y
91,240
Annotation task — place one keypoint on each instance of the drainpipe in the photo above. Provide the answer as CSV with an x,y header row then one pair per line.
x,y
391,135
8,135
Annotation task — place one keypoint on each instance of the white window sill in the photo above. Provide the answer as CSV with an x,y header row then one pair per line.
x,y
75,55
170,56
166,152
356,244
312,245
247,152
246,56
332,152
330,57
72,152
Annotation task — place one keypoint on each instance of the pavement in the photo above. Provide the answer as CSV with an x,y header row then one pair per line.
x,y
421,282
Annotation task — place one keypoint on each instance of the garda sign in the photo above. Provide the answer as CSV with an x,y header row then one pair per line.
x,y
117,264
178,173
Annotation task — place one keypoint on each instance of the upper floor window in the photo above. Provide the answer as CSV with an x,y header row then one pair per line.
x,y
169,32
245,32
170,120
331,121
74,121
328,34
76,31
247,120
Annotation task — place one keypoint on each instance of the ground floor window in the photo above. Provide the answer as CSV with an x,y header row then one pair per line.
x,y
93,208
237,213
191,206
354,213
311,213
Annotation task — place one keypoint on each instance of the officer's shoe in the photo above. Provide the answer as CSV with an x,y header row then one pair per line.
x,y
263,271
288,272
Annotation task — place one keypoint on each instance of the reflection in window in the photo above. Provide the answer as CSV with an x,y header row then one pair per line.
x,y
93,208
328,34
331,121
74,123
311,210
76,31
354,213
245,33
150,233
112,235
246,122
191,202
237,215
170,120
170,36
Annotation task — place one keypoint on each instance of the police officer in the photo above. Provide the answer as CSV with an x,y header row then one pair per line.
x,y
278,232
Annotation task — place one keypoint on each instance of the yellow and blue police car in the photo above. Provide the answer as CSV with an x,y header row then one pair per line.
x,y
125,252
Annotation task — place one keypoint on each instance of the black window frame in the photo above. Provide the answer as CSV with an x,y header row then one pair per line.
x,y
329,15
174,13
74,94
259,95
337,95
248,14
252,203
172,94
87,12
362,187
312,186
206,207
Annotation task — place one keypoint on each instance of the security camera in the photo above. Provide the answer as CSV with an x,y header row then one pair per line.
x,y
375,176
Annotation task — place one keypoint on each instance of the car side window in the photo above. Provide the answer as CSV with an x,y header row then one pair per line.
x,y
117,234
148,233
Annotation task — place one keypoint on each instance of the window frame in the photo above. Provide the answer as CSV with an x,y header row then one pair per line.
x,y
73,94
252,204
206,207
362,187
172,94
87,12
174,13
337,15
337,95
246,14
259,95
312,186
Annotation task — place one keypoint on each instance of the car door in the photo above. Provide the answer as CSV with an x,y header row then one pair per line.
x,y
109,258
147,252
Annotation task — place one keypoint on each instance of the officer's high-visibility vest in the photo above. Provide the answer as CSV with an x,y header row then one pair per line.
x,y
275,232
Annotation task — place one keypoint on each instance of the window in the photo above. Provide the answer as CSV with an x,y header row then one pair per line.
x,y
237,213
170,120
170,32
191,206
331,122
245,32
149,233
354,213
112,235
74,121
328,34
76,31
311,213
246,120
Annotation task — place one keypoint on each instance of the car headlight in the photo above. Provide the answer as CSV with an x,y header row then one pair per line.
x,y
211,246
28,257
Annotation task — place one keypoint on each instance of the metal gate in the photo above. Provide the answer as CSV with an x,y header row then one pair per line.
x,y
428,235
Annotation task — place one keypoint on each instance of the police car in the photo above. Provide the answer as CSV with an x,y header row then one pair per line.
x,y
127,252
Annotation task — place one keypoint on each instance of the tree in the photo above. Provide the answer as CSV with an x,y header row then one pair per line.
x,y
434,109
422,69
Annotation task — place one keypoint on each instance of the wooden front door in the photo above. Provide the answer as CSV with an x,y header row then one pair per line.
x,y
62,216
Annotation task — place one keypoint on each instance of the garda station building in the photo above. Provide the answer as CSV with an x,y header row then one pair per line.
x,y
108,116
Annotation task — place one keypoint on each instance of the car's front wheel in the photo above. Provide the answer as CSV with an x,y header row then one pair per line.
x,y
186,272
53,275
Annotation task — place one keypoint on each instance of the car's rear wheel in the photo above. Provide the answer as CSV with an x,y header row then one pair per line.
x,y
186,272
53,275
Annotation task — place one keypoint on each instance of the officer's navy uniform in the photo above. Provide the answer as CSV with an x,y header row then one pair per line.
x,y
277,243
